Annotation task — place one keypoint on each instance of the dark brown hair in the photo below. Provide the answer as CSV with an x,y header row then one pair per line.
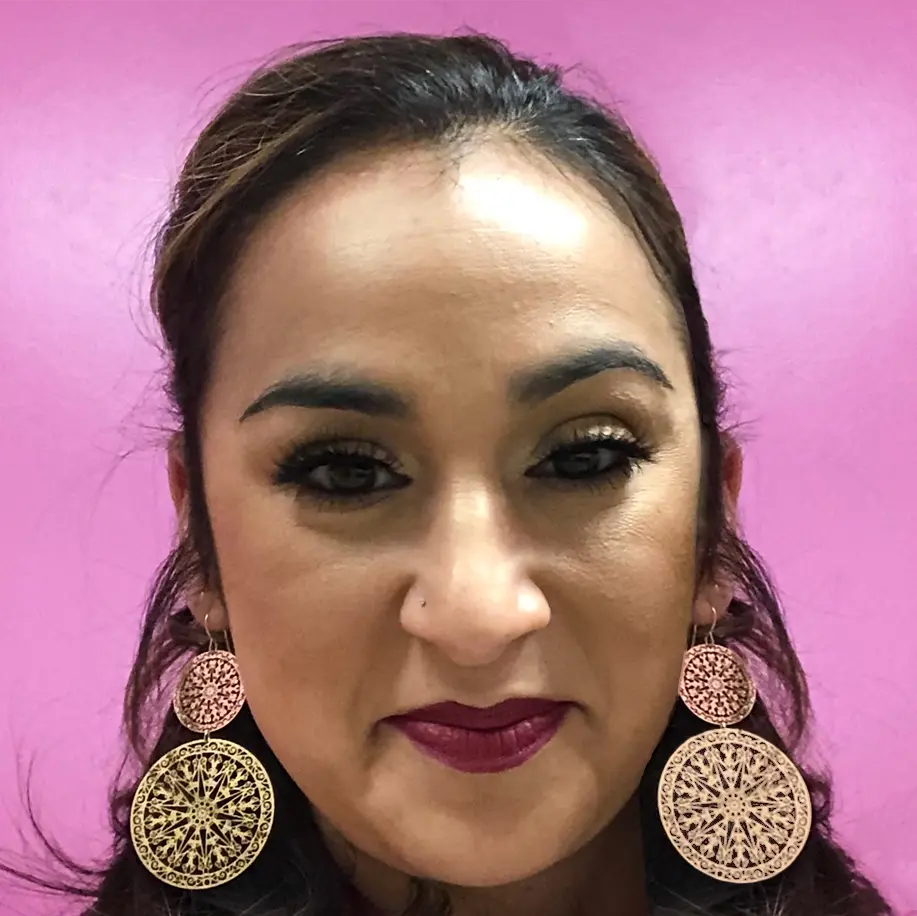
x,y
290,119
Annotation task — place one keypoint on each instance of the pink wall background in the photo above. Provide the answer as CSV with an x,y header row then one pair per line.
x,y
787,131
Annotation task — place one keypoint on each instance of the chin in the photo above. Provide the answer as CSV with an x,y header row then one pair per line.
x,y
493,851
500,862
424,820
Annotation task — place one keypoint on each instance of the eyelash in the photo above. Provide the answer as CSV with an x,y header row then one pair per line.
x,y
628,454
304,459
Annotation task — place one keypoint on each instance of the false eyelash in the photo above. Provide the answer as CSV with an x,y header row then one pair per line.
x,y
303,457
602,436
627,445
632,452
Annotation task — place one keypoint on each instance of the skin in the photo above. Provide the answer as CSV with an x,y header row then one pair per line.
x,y
443,279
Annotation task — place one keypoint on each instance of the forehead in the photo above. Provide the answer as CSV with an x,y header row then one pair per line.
x,y
492,258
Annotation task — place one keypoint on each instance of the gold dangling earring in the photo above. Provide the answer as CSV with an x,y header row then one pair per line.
x,y
203,812
734,806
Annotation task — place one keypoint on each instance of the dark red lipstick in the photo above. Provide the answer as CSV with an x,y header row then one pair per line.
x,y
483,740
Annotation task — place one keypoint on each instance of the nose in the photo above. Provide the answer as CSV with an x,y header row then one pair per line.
x,y
473,598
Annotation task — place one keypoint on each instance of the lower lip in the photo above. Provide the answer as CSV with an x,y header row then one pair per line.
x,y
484,750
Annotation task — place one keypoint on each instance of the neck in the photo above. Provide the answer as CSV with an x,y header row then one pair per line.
x,y
603,878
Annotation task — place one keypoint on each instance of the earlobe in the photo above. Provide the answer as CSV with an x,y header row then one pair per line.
x,y
208,611
711,603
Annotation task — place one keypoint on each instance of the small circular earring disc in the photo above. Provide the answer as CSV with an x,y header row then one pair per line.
x,y
715,685
209,693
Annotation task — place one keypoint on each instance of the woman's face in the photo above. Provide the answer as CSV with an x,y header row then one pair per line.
x,y
451,454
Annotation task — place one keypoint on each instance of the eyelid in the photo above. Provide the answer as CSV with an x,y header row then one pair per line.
x,y
322,444
583,435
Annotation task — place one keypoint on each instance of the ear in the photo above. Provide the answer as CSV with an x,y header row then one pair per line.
x,y
204,604
732,479
715,595
178,479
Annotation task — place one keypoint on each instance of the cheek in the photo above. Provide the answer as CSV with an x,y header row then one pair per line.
x,y
309,628
635,585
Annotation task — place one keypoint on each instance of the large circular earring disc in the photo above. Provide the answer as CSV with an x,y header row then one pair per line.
x,y
715,685
734,806
202,814
209,693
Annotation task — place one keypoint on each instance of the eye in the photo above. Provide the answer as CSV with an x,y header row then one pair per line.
x,y
591,457
342,471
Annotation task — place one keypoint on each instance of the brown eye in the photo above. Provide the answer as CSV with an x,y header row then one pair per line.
x,y
587,461
339,471
350,474
591,459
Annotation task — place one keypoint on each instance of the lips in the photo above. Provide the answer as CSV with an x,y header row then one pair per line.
x,y
483,740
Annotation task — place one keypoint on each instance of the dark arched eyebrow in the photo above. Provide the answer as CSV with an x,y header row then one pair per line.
x,y
335,390
531,386
342,390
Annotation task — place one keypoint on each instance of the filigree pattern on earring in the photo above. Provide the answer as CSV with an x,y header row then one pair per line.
x,y
203,812
209,694
733,805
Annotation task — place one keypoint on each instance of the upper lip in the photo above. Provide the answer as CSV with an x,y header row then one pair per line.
x,y
502,715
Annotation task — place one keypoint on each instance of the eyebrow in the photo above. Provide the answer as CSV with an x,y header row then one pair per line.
x,y
339,390
335,391
533,385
